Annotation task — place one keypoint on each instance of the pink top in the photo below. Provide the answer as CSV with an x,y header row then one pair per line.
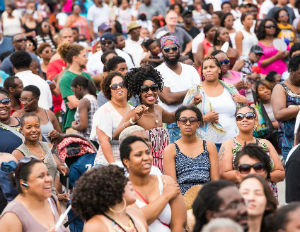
x,y
278,66
236,77
68,6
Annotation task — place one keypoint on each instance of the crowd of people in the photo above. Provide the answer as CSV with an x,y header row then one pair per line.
x,y
133,116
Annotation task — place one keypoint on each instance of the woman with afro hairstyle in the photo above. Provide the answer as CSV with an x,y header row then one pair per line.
x,y
101,198
145,82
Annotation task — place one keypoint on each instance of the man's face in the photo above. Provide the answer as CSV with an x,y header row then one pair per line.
x,y
19,42
67,36
171,18
107,45
188,19
75,35
120,42
135,33
171,54
233,206
18,89
81,59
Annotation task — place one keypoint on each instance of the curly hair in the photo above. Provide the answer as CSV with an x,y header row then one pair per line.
x,y
105,87
97,190
261,31
136,77
42,47
68,50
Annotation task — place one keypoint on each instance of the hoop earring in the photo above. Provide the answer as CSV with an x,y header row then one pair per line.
x,y
118,211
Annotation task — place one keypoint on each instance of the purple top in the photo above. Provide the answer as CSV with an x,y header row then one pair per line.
x,y
278,66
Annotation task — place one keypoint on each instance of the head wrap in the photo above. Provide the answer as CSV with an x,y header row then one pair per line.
x,y
170,39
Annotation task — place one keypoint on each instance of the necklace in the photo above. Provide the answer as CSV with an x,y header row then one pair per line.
x,y
131,228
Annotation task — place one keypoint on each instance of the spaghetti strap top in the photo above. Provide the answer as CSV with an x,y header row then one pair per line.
x,y
192,171
46,128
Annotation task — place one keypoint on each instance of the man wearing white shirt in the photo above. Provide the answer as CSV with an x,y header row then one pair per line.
x,y
265,8
97,14
178,79
107,40
21,61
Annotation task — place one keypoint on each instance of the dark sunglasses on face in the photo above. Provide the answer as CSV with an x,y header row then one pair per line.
x,y
145,88
116,85
20,40
224,61
270,26
107,42
184,120
240,116
174,49
5,101
245,168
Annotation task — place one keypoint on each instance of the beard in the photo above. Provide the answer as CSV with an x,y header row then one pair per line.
x,y
172,61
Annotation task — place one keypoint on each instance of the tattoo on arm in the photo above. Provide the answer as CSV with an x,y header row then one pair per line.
x,y
221,152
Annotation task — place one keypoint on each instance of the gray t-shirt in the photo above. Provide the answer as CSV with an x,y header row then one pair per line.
x,y
276,8
151,10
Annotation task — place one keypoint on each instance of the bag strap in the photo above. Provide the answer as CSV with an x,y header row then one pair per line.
x,y
12,130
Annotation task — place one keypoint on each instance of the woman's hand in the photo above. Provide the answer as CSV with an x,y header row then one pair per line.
x,y
63,197
63,169
54,134
139,111
281,55
196,100
211,117
171,188
239,99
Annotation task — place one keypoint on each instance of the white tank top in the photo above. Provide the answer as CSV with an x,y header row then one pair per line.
x,y
164,219
249,40
11,26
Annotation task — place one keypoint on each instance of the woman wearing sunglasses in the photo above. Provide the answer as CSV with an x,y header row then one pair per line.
x,y
245,120
259,200
35,208
45,52
108,117
218,104
272,59
191,160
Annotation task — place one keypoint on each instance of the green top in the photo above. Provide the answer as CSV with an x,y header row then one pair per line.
x,y
66,91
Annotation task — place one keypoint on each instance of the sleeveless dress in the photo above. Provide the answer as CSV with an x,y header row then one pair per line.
x,y
159,138
286,128
162,223
192,171
46,128
48,159
29,223
93,107
249,40
237,147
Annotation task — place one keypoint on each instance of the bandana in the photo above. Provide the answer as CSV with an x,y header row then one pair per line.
x,y
170,39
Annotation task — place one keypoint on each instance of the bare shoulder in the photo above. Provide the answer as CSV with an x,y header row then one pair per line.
x,y
170,150
94,224
226,146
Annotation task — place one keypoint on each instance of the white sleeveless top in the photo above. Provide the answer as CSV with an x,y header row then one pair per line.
x,y
11,26
249,40
164,219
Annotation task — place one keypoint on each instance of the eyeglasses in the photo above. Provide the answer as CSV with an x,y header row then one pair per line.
x,y
249,115
283,15
270,26
224,62
107,42
233,206
117,85
26,99
24,160
174,49
245,168
20,40
5,101
146,88
184,120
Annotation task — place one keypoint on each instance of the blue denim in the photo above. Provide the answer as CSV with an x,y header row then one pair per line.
x,y
174,132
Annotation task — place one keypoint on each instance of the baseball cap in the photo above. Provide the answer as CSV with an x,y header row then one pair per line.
x,y
256,49
104,27
107,36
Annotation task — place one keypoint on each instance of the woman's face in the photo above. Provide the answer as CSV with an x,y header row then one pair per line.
x,y
39,181
29,46
283,16
264,93
45,27
120,93
47,53
270,28
31,129
228,23
149,91
129,194
224,61
140,159
210,70
5,106
211,33
244,171
188,123
177,9
293,224
248,21
215,20
76,9
224,35
253,193
29,102
245,120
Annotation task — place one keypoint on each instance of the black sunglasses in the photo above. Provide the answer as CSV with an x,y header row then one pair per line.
x,y
270,26
224,61
184,120
146,88
174,49
245,168
20,40
116,85
249,115
109,42
5,101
